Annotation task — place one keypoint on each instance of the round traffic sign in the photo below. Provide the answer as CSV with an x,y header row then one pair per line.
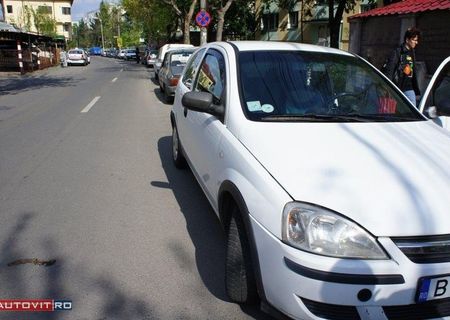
x,y
203,18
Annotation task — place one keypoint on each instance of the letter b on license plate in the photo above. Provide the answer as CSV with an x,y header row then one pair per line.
x,y
433,288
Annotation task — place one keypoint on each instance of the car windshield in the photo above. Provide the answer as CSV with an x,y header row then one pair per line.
x,y
313,86
75,52
178,62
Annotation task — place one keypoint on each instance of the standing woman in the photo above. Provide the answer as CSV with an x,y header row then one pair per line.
x,y
401,67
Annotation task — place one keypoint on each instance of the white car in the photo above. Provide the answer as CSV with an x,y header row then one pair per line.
x,y
77,56
122,53
332,189
162,52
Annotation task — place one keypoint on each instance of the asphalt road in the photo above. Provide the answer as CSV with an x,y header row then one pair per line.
x,y
86,180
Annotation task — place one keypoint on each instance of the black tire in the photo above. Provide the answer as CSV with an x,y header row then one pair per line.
x,y
240,283
177,154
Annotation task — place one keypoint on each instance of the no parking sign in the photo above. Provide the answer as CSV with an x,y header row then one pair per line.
x,y
203,18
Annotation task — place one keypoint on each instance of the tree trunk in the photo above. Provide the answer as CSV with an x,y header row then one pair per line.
x,y
221,19
334,21
187,22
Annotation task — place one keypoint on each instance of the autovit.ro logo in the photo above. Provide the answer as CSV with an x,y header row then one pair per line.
x,y
35,305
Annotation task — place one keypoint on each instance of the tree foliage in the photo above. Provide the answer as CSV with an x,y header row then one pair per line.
x,y
336,9
239,20
41,18
158,21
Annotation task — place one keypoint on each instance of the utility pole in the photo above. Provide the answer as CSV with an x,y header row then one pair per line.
x,y
78,35
101,30
118,21
203,30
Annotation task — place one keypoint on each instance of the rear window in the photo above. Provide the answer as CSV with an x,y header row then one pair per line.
x,y
295,84
75,52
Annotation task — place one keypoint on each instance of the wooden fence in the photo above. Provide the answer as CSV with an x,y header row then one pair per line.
x,y
31,59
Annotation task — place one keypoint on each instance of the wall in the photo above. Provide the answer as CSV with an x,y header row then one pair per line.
x,y
379,35
434,46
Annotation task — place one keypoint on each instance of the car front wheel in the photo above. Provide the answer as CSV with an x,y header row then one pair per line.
x,y
177,155
240,281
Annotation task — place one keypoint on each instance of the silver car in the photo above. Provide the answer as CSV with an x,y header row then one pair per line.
x,y
171,69
77,56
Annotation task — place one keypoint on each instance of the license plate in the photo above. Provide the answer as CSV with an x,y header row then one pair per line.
x,y
432,288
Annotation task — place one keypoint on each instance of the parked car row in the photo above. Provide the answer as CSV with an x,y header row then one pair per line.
x,y
312,159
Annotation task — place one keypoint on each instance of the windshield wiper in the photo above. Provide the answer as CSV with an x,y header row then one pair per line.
x,y
338,118
316,118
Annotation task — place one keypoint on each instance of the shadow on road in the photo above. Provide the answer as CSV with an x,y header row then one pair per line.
x,y
114,303
202,224
12,86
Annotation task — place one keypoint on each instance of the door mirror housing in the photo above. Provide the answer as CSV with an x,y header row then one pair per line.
x,y
202,102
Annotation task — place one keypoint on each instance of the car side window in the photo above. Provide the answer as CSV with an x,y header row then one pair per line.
x,y
191,67
166,58
211,77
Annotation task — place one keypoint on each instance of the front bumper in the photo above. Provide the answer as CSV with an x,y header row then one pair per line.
x,y
308,286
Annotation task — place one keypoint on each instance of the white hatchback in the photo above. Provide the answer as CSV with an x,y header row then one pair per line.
x,y
333,190
77,56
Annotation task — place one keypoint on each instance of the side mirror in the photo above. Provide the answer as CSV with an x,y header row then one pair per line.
x,y
202,102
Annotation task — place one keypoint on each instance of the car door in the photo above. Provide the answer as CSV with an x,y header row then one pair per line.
x,y
438,94
201,132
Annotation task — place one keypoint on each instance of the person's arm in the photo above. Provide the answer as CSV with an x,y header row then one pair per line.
x,y
392,64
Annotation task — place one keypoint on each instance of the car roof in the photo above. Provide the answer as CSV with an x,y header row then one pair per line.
x,y
282,46
187,50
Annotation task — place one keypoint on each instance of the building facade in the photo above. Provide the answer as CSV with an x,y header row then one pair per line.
x,y
305,22
20,14
375,33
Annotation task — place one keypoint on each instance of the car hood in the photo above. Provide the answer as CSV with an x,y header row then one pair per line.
x,y
391,178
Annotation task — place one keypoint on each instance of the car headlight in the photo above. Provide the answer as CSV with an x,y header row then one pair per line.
x,y
321,231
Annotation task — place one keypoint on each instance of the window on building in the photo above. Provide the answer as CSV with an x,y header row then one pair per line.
x,y
293,19
9,9
66,27
45,9
367,7
65,10
270,21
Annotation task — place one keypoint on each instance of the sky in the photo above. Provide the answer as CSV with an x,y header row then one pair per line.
x,y
81,7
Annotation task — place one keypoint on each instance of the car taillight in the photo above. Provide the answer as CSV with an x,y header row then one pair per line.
x,y
173,82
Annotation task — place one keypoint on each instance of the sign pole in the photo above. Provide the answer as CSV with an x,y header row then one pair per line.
x,y
203,30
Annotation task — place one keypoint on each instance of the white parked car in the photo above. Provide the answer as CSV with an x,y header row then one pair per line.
x,y
332,189
122,53
77,56
162,52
